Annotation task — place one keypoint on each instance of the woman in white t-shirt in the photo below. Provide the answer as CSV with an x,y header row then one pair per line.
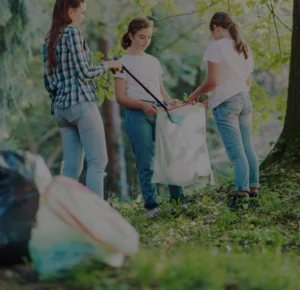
x,y
140,107
230,64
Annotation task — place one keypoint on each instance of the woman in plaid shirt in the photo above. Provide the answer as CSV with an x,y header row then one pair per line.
x,y
68,78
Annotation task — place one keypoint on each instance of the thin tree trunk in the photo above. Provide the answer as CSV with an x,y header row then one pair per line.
x,y
117,178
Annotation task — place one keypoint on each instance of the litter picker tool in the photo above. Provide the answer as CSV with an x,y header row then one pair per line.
x,y
147,90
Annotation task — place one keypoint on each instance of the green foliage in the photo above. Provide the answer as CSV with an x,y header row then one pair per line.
x,y
206,245
181,37
145,6
19,35
263,107
105,84
192,268
13,19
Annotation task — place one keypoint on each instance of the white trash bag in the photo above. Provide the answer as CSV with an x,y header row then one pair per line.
x,y
42,174
181,155
74,225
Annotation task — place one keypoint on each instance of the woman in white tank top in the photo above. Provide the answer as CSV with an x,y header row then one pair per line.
x,y
230,64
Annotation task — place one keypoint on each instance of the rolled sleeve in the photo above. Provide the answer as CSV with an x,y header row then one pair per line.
x,y
82,66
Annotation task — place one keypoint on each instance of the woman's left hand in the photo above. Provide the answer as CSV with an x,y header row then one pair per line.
x,y
172,104
193,99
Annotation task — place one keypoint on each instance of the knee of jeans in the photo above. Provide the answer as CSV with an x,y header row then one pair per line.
x,y
145,172
236,155
249,149
99,162
238,159
71,171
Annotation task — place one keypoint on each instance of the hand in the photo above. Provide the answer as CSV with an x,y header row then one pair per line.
x,y
172,104
193,99
205,104
114,64
149,109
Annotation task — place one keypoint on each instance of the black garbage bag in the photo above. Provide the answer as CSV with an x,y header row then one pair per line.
x,y
19,201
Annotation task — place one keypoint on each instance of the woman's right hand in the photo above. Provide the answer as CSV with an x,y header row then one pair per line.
x,y
193,99
114,64
149,109
205,104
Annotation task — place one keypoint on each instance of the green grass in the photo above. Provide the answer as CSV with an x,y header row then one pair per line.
x,y
209,247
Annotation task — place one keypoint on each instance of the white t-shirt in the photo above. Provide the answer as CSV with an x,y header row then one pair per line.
x,y
234,70
147,69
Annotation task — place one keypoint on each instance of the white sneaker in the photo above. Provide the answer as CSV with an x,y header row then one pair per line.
x,y
153,213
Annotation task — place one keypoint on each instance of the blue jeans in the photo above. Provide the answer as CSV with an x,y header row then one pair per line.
x,y
81,127
234,122
140,130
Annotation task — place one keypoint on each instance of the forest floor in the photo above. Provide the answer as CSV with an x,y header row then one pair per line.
x,y
206,246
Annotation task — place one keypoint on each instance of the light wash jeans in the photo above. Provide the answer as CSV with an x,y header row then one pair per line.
x,y
234,122
140,129
81,127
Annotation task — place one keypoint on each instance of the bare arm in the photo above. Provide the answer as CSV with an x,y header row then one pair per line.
x,y
163,92
122,98
126,101
248,81
209,84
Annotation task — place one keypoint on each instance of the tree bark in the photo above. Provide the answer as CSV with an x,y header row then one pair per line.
x,y
287,149
116,177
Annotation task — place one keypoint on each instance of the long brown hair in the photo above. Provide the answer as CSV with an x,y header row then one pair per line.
x,y
134,26
225,21
60,20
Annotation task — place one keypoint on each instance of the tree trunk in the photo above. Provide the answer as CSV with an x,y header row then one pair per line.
x,y
116,178
287,149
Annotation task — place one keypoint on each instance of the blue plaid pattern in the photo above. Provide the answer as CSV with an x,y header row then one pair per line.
x,y
70,82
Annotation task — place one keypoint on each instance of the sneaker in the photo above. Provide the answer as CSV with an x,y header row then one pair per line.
x,y
253,202
173,211
153,213
237,201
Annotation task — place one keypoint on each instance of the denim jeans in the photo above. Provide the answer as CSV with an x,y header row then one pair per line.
x,y
81,127
234,122
140,130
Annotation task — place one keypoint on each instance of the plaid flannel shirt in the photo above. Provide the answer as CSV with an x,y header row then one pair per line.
x,y
70,82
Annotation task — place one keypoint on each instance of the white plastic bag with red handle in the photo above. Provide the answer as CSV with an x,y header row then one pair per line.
x,y
75,225
181,155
